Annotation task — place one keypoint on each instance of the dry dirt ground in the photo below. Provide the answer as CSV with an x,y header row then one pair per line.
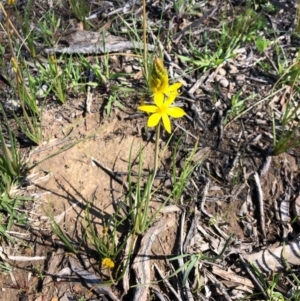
x,y
222,197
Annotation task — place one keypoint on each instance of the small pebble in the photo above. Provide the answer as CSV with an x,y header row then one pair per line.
x,y
77,288
42,92
260,121
240,50
13,104
233,69
222,80
240,77
128,69
222,71
114,60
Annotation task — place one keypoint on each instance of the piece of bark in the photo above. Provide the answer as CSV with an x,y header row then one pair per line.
x,y
231,276
82,41
141,263
273,258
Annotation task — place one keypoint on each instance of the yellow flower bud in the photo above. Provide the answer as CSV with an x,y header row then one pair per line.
x,y
105,231
107,263
53,60
159,77
14,64
159,70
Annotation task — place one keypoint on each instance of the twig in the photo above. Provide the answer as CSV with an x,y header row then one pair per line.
x,y
253,277
186,131
205,191
5,256
130,245
218,284
265,165
284,208
98,48
188,295
111,173
261,203
158,294
192,230
167,283
198,83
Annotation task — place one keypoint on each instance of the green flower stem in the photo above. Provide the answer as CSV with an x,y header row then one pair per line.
x,y
157,129
111,277
156,150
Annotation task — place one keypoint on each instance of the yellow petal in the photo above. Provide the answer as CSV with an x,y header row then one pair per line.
x,y
170,99
174,87
175,112
167,123
158,99
154,119
148,108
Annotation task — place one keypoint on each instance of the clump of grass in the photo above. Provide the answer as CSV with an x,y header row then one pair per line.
x,y
221,46
26,95
107,244
10,161
181,179
48,25
104,79
12,169
269,287
236,108
80,9
192,261
59,85
184,8
288,136
139,198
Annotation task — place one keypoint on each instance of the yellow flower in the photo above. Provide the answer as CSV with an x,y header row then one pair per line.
x,y
107,263
14,64
105,231
11,2
162,110
53,60
159,80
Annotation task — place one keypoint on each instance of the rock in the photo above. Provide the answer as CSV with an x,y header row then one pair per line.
x,y
222,72
240,77
114,59
222,81
128,69
13,104
233,69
